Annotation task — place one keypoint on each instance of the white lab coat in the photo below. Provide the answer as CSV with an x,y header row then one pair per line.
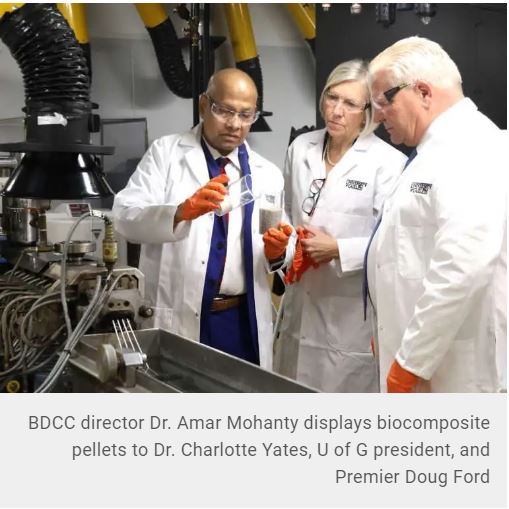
x,y
324,341
501,314
174,262
435,255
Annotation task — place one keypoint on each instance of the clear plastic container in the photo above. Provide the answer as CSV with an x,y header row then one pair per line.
x,y
240,193
271,210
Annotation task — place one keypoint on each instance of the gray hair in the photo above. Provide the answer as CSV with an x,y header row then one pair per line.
x,y
417,58
353,70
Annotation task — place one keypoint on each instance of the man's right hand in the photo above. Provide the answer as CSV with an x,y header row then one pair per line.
x,y
400,380
205,200
275,241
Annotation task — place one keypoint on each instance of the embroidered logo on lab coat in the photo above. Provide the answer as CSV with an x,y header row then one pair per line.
x,y
420,187
356,184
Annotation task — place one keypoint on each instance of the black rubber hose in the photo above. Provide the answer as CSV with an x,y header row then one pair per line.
x,y
52,62
169,56
88,58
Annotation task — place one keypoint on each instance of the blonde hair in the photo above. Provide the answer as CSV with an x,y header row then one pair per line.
x,y
417,58
352,70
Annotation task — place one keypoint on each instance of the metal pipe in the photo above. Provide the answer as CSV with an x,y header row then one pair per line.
x,y
8,163
241,31
206,51
9,8
76,17
305,19
245,52
167,48
195,60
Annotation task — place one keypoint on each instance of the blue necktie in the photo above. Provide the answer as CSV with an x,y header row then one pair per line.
x,y
217,255
365,286
248,255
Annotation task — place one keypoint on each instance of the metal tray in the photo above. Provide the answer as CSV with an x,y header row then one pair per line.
x,y
176,364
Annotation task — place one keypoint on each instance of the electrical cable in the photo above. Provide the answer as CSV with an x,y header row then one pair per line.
x,y
18,261
4,324
63,274
86,321
35,306
73,339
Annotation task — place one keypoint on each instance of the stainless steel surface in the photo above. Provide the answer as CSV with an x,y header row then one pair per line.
x,y
176,364
7,163
28,259
20,226
106,362
130,354
21,219
76,247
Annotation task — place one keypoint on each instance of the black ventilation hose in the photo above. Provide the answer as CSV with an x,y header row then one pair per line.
x,y
56,79
85,46
52,63
252,67
169,56
55,75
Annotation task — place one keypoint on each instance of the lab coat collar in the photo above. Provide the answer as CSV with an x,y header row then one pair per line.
x,y
351,157
313,154
363,143
195,158
233,156
314,159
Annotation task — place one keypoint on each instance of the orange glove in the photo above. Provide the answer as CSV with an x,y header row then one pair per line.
x,y
400,380
301,261
275,241
204,200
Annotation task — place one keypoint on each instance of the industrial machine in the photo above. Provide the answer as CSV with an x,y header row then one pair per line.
x,y
53,294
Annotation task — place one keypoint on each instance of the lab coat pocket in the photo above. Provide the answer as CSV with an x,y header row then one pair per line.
x,y
163,317
342,225
414,250
351,193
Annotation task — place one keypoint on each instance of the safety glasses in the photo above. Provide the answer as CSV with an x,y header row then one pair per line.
x,y
227,115
309,203
389,96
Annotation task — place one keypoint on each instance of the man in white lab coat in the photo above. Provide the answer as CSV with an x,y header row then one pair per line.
x,y
205,275
432,260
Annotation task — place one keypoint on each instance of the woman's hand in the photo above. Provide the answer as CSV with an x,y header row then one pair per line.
x,y
319,246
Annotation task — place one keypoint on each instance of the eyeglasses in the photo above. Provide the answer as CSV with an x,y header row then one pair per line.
x,y
227,115
333,100
309,203
389,96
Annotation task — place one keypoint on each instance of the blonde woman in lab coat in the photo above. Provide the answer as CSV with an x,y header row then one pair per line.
x,y
335,182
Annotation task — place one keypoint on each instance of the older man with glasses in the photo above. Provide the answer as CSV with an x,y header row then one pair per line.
x,y
205,274
438,253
